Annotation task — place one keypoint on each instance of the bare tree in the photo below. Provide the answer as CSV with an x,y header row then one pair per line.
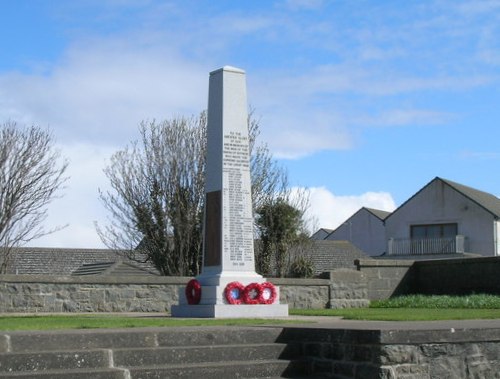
x,y
156,200
157,197
31,173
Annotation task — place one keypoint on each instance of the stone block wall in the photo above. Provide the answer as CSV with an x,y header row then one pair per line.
x,y
34,293
396,354
43,293
348,289
386,277
458,276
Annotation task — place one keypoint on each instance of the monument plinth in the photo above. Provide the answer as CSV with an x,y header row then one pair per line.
x,y
228,251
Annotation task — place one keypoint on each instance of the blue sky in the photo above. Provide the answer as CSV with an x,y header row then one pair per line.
x,y
364,102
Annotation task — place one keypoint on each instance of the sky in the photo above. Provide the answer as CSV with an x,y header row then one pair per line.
x,y
363,102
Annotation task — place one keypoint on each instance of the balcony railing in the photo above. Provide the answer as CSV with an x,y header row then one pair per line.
x,y
420,246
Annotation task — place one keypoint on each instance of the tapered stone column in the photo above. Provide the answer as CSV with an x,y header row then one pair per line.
x,y
228,253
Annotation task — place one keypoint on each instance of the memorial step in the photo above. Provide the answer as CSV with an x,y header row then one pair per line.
x,y
201,354
215,352
135,338
102,373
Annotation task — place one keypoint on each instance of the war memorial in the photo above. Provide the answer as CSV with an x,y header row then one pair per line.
x,y
228,285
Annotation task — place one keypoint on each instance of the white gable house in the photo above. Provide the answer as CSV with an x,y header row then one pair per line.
x,y
445,217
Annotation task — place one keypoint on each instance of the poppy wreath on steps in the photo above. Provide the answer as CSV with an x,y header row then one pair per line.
x,y
267,293
193,292
252,293
234,293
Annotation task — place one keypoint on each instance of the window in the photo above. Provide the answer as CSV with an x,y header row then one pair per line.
x,y
433,231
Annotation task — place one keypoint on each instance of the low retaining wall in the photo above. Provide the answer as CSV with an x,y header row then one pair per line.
x,y
39,293
391,354
386,278
458,276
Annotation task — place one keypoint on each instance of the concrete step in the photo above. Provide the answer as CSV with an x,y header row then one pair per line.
x,y
39,361
199,354
149,353
134,338
103,373
218,370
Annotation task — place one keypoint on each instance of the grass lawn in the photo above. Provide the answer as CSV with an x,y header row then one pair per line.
x,y
402,314
91,321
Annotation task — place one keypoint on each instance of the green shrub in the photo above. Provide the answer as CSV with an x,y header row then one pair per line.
x,y
301,268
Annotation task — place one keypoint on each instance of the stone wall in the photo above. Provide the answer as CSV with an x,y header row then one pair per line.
x,y
391,354
39,293
386,277
458,276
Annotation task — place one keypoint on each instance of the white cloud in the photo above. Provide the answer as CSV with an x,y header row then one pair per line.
x,y
79,207
100,91
328,210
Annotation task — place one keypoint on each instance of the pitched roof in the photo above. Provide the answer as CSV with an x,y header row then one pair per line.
x,y
485,200
489,202
61,261
330,255
382,215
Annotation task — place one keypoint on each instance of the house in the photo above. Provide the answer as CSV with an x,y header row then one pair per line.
x,y
445,217
442,218
364,229
321,234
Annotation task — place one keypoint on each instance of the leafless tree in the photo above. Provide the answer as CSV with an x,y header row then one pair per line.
x,y
156,199
31,173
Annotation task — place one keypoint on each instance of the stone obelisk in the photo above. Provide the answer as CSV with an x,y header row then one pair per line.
x,y
228,251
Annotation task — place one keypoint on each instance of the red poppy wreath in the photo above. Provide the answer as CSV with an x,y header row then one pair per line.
x,y
193,292
252,293
267,293
234,293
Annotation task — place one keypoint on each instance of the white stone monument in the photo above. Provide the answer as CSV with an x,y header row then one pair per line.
x,y
228,253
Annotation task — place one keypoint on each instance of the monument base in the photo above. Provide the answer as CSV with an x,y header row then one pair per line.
x,y
230,311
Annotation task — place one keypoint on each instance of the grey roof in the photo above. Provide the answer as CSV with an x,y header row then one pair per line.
x,y
485,200
330,255
60,261
382,215
489,202
118,268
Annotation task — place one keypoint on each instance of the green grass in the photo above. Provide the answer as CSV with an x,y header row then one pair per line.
x,y
418,308
112,321
480,301
402,314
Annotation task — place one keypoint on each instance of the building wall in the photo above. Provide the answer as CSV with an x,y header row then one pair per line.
x,y
364,230
439,203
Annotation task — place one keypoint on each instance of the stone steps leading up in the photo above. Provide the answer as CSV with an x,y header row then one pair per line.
x,y
218,352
